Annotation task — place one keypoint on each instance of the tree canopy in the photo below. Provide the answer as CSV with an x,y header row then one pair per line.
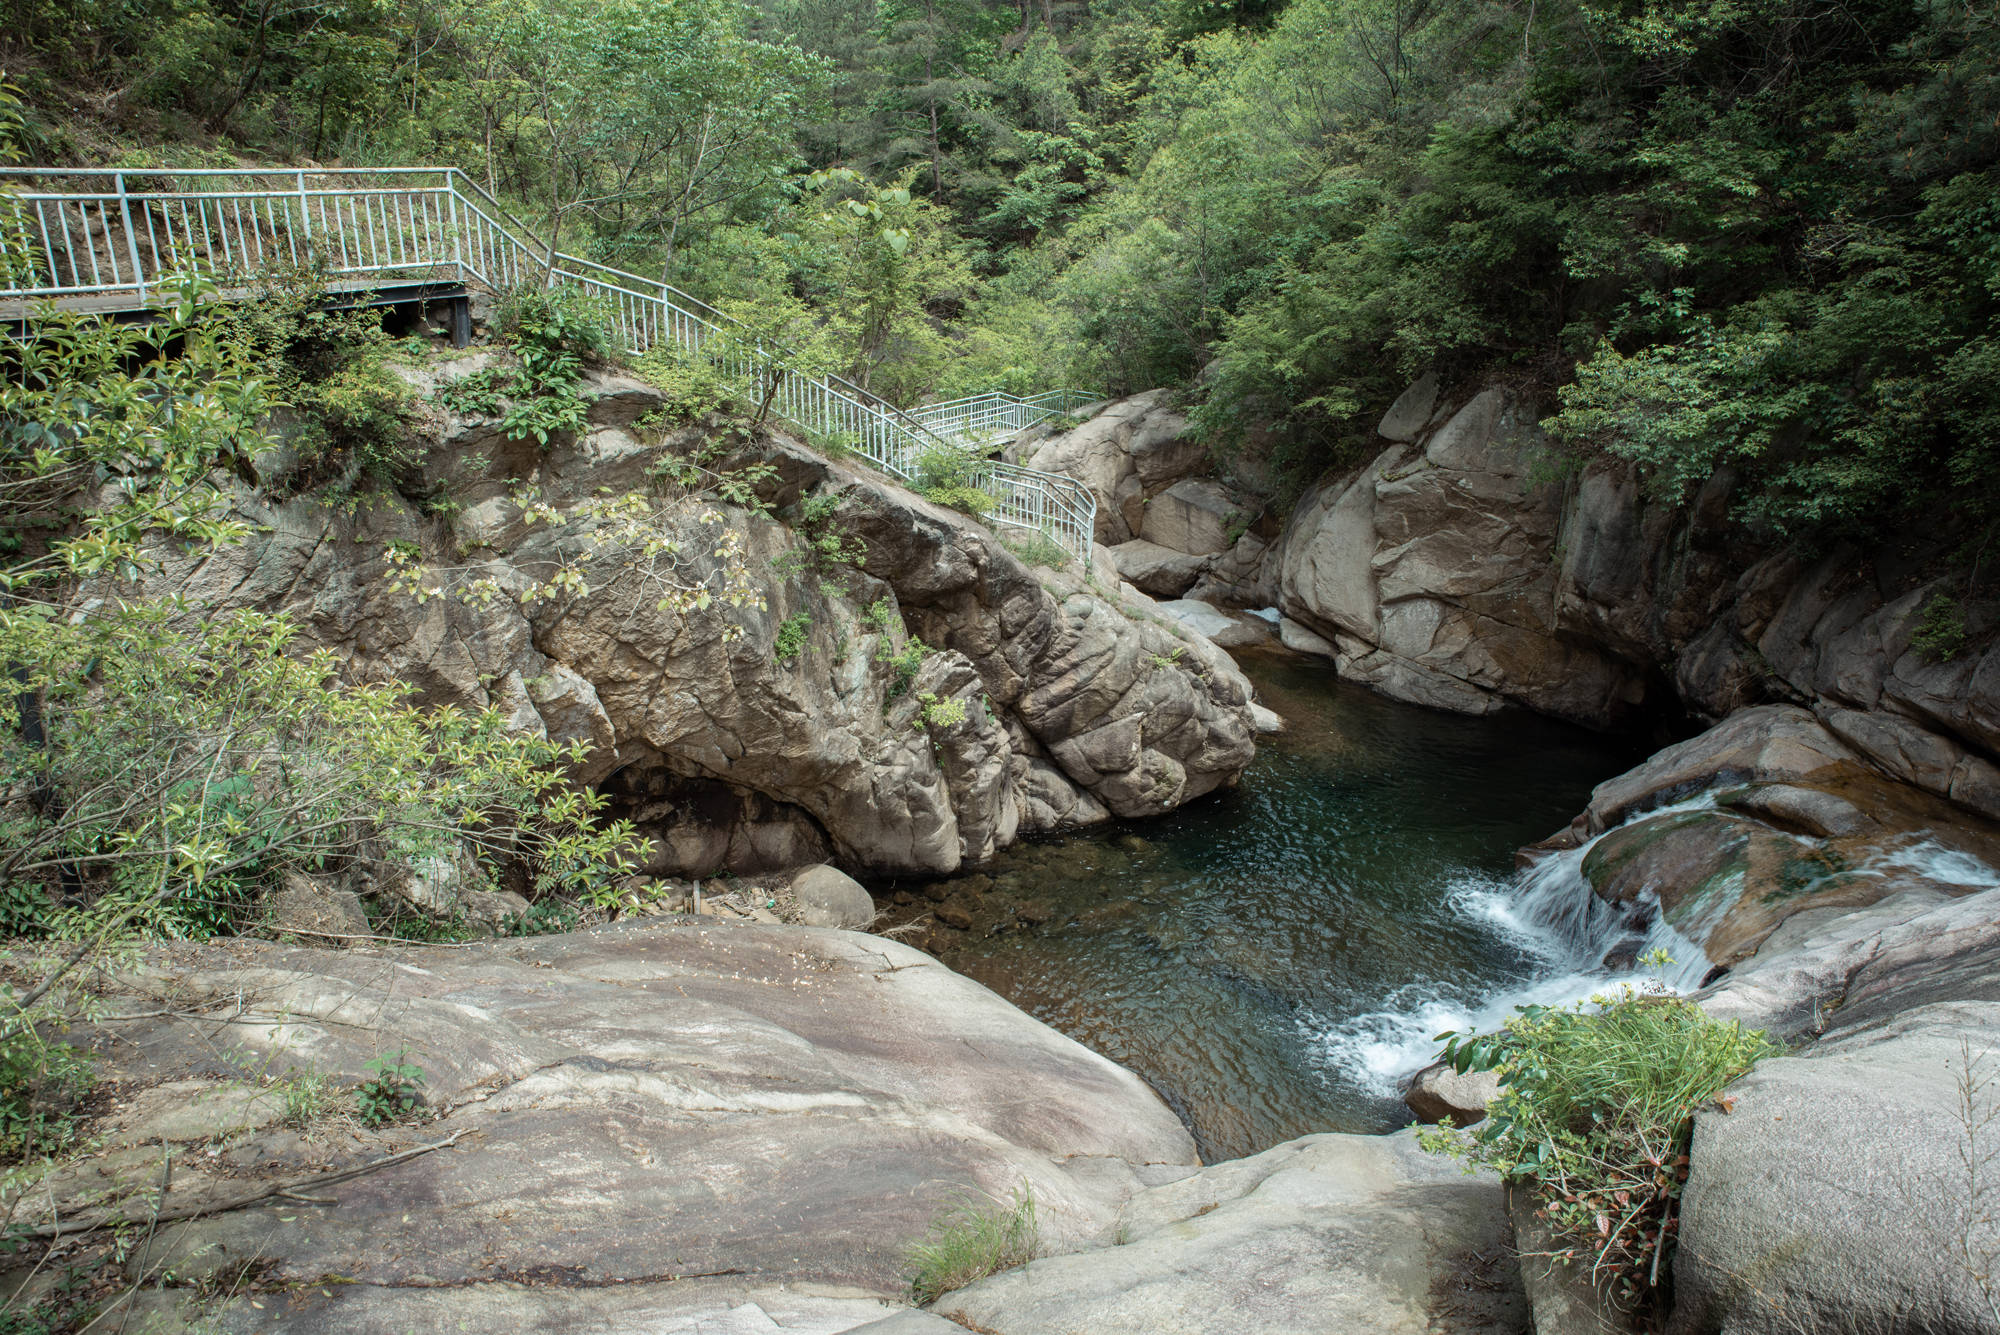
x,y
1699,233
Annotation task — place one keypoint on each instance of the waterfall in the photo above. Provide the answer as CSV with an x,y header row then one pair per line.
x,y
1550,913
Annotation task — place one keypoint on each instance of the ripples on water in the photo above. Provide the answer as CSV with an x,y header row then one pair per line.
x,y
1274,959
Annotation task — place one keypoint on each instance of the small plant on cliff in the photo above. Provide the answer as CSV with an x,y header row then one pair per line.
x,y
481,393
951,477
695,386
902,663
330,369
393,1093
1940,634
936,712
555,334
791,641
544,917
827,545
1595,1119
306,1095
1038,549
973,1239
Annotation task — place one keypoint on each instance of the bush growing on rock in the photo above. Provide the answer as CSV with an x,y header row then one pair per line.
x,y
974,1239
951,477
1595,1118
166,767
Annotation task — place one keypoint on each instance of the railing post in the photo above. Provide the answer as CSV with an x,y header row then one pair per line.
x,y
131,238
451,212
305,218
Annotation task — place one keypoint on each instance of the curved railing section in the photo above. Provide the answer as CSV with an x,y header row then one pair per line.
x,y
106,239
995,414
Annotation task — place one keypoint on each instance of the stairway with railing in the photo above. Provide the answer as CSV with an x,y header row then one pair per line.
x,y
980,419
107,240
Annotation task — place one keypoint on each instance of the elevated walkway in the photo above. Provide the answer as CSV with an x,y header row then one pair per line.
x,y
104,241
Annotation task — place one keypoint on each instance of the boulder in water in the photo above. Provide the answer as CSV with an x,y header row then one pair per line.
x,y
1438,1092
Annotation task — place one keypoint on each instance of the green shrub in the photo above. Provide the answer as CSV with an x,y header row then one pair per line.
x,y
556,333
40,1082
481,393
791,641
393,1093
695,387
939,713
951,477
827,543
902,663
544,917
1595,1119
1039,548
1940,634
330,367
882,615
308,1096
974,1239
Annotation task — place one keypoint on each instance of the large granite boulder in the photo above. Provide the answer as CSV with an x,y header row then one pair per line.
x,y
1128,449
1194,515
650,1127
1434,571
1347,1235
1850,1187
730,756
1161,572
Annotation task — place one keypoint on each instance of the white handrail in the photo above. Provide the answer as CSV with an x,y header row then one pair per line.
x,y
111,246
994,413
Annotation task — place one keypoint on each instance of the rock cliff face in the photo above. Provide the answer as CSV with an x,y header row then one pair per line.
x,y
1434,572
1452,571
1056,708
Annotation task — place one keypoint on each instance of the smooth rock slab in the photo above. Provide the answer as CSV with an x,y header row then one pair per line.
x,y
1227,629
635,1106
1837,1195
1325,1235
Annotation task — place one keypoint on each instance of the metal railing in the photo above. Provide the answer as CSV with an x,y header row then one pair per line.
x,y
995,414
107,239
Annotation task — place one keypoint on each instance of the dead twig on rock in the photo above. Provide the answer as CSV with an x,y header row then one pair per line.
x,y
289,1190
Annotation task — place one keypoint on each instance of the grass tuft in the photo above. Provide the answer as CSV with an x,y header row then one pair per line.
x,y
974,1239
1595,1118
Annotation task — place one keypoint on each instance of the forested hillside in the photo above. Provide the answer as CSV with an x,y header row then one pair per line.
x,y
1704,233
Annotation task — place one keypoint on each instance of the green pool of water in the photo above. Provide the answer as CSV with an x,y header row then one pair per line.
x,y
1275,958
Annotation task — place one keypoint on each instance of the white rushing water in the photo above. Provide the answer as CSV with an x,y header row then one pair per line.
x,y
1932,861
1559,925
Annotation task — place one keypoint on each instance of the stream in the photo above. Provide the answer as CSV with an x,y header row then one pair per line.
x,y
1277,959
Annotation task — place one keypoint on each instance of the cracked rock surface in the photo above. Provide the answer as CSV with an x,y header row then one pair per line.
x,y
661,1127
1073,712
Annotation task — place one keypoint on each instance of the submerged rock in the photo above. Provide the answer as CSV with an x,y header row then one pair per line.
x,y
1438,1092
